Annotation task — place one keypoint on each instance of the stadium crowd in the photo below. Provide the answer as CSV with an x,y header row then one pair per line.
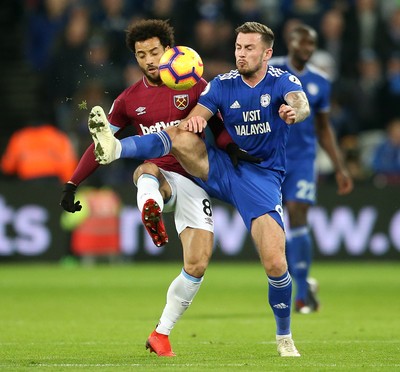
x,y
76,50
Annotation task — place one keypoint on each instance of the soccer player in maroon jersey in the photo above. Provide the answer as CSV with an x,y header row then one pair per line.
x,y
162,184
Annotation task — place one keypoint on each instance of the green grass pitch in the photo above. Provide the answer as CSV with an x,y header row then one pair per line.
x,y
57,318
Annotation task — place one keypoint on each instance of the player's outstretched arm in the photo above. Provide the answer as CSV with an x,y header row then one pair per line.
x,y
197,119
297,108
86,166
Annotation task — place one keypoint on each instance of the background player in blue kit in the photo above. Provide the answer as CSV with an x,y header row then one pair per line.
x,y
257,103
299,186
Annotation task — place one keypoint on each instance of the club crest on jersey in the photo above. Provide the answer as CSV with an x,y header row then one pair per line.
x,y
265,100
181,101
312,89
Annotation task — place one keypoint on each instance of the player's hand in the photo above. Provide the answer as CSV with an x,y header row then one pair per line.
x,y
287,114
195,124
68,199
236,154
344,182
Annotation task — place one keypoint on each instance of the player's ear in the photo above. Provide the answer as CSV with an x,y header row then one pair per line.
x,y
268,54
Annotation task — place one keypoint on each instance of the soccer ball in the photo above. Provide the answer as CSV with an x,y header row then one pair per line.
x,y
180,67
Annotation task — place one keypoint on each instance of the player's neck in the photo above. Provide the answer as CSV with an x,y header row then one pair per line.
x,y
254,79
152,83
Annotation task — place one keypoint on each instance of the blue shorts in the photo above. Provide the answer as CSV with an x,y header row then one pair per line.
x,y
300,182
251,189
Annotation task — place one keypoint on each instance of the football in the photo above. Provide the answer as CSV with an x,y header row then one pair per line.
x,y
180,67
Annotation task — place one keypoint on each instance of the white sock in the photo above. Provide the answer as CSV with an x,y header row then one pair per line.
x,y
279,337
179,297
118,149
147,186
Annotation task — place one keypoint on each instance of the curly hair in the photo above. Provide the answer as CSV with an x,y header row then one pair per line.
x,y
146,29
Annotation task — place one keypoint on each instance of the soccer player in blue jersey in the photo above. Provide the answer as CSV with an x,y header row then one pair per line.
x,y
299,186
258,104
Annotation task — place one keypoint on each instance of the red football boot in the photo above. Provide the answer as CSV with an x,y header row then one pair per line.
x,y
159,344
152,219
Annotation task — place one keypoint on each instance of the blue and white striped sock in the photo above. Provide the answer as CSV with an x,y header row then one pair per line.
x,y
150,146
280,300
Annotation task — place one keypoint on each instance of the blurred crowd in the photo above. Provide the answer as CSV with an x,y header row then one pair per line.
x,y
76,49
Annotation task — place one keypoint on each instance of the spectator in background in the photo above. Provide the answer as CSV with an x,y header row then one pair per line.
x,y
386,159
272,12
365,29
250,10
366,91
81,57
39,153
67,71
220,12
391,88
342,115
307,11
98,65
112,18
160,9
331,36
44,23
211,44
393,30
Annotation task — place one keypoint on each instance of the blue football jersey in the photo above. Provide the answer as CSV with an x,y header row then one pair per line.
x,y
251,113
302,138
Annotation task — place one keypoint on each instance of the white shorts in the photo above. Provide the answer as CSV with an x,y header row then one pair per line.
x,y
191,204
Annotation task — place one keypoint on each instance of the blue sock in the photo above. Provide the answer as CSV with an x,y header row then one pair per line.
x,y
299,256
280,300
149,146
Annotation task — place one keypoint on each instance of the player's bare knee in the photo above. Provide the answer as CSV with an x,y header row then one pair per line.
x,y
276,266
197,266
183,141
196,269
173,133
191,152
146,168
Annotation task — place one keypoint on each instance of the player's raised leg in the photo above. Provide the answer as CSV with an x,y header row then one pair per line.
x,y
187,147
108,148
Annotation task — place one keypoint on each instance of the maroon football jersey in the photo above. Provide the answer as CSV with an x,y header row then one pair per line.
x,y
151,109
